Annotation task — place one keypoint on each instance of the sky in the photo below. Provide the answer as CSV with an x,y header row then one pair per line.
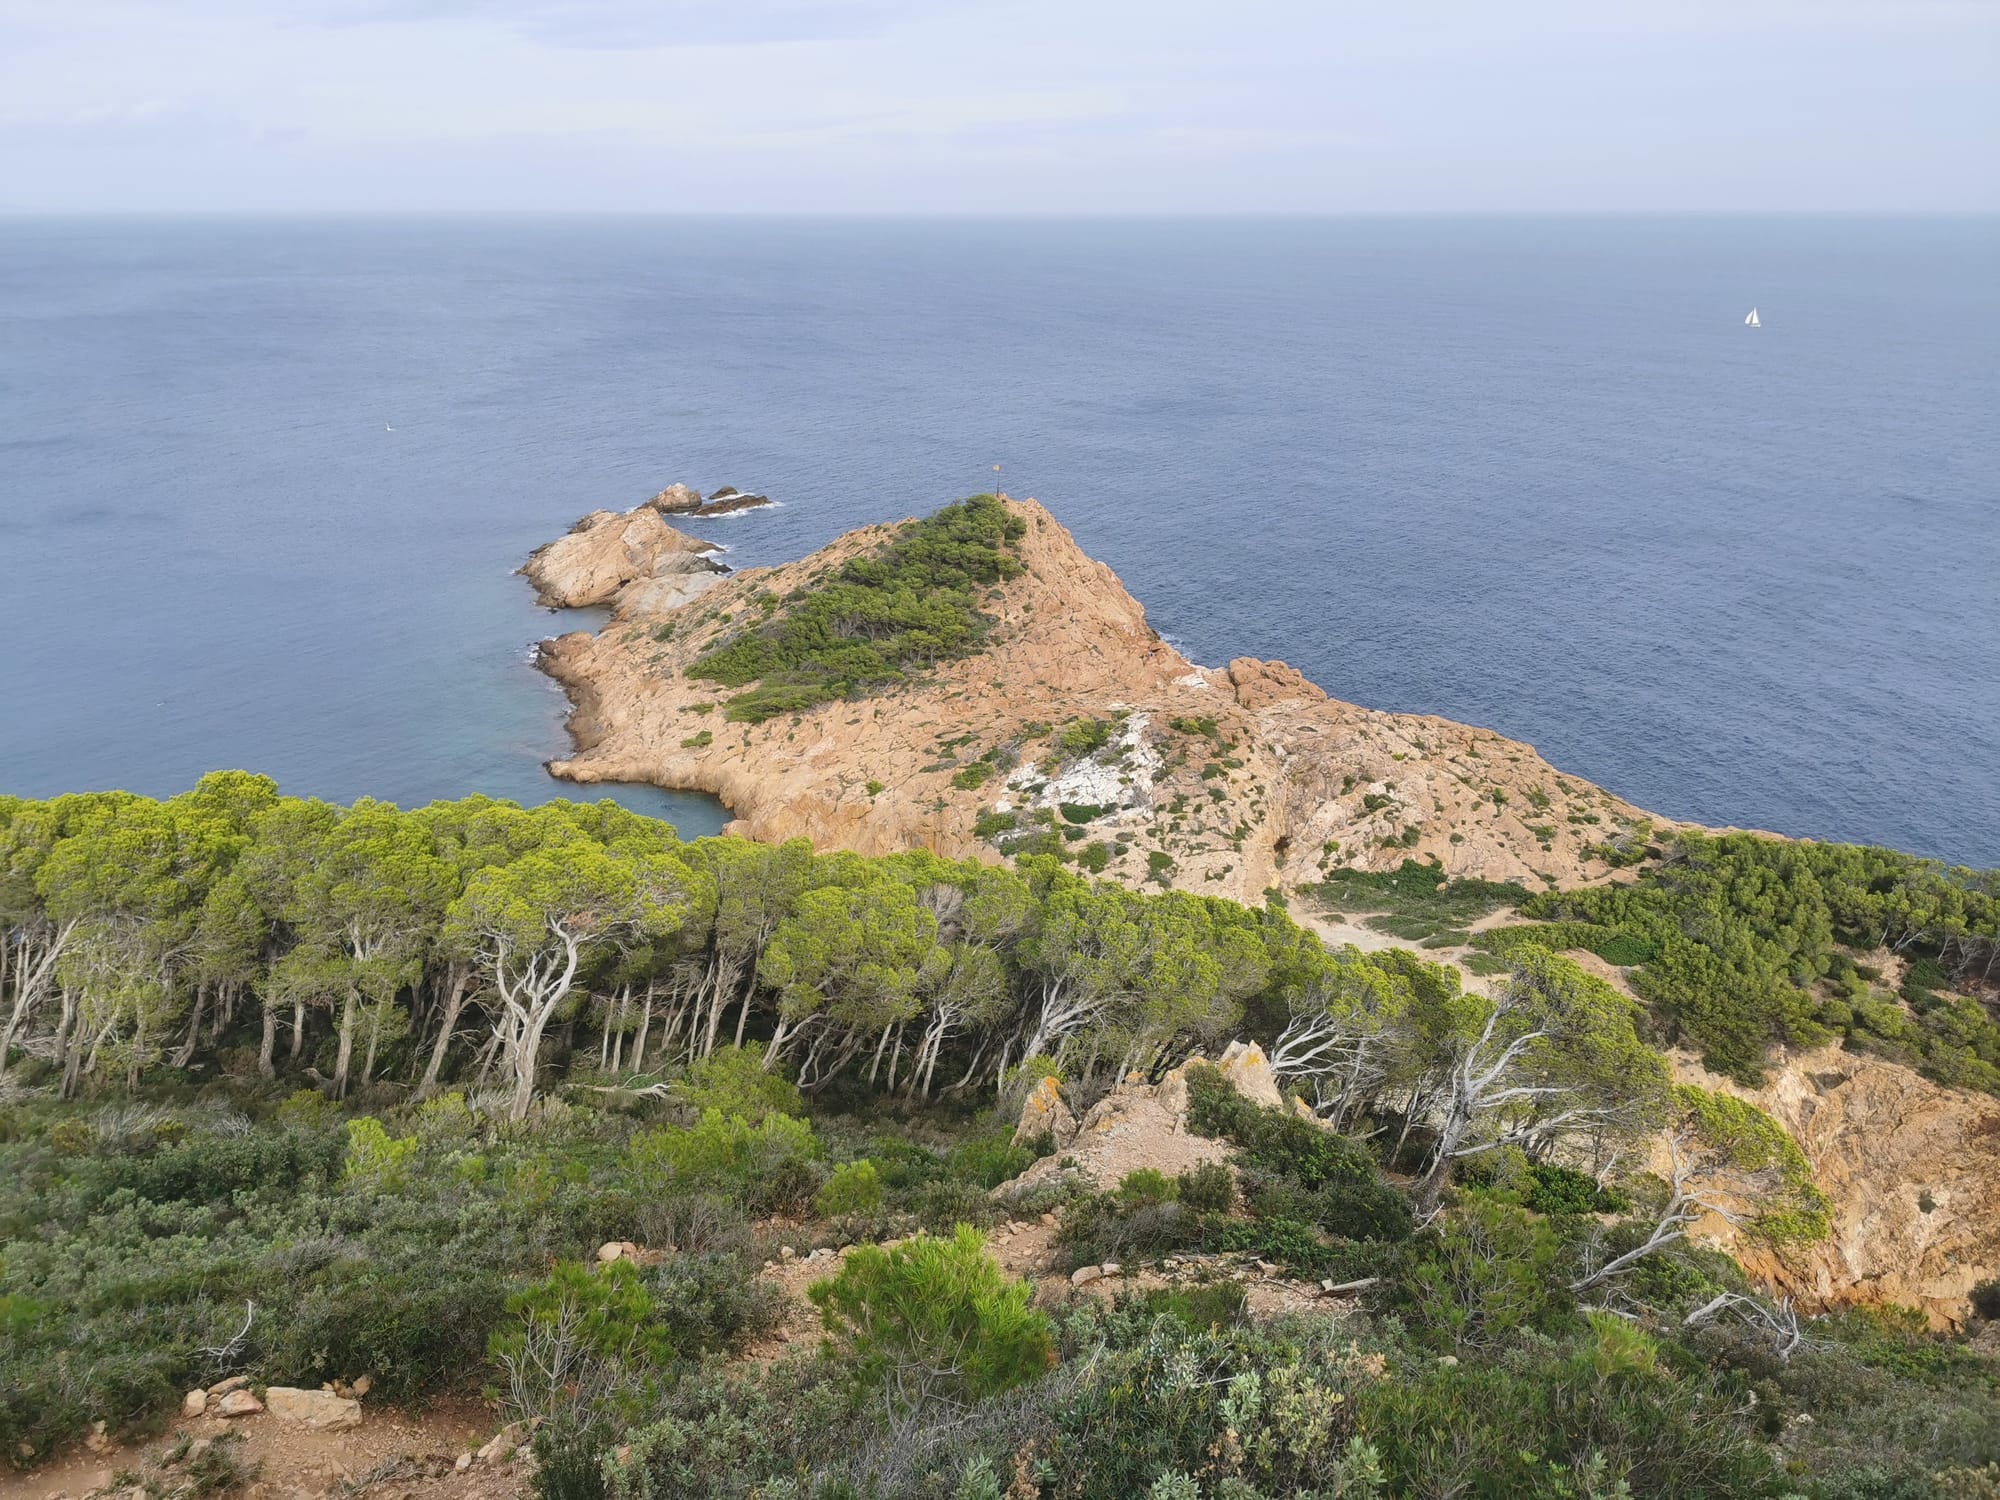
x,y
999,106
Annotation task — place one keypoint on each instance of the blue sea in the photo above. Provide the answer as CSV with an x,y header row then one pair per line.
x,y
1530,473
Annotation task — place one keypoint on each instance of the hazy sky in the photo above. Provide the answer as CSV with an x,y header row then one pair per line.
x,y
1000,105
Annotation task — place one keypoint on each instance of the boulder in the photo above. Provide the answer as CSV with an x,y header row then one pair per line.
x,y
1244,1064
676,499
1044,1113
729,498
1084,1275
605,552
239,1403
194,1403
503,1443
233,1383
321,1410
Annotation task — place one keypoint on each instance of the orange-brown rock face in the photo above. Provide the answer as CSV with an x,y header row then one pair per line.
x,y
1913,1172
607,557
1224,781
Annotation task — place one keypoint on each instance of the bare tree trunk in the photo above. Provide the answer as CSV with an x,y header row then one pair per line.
x,y
265,1067
346,1052
298,1028
645,1025
454,1004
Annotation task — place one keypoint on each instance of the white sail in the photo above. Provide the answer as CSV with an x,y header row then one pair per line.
x,y
1751,321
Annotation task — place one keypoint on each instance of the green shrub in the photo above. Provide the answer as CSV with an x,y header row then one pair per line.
x,y
917,598
971,778
705,1301
1214,1304
1147,1186
1208,1189
854,1188
1481,1276
769,1163
375,1159
1554,1189
933,1318
607,1312
734,1081
990,1161
1083,737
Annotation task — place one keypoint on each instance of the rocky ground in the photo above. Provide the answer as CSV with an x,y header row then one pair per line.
x,y
449,1452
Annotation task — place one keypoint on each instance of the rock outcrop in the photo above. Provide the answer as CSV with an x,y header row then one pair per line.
x,y
679,500
1137,1125
634,562
323,1411
1913,1172
1226,781
1045,1114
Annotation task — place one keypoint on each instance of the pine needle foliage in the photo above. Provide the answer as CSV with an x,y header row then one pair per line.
x,y
900,610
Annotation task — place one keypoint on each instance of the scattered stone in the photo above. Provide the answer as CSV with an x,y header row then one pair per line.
x,y
464,1462
503,1443
194,1403
1084,1275
233,1383
1112,1268
1048,1218
324,1411
240,1403
1267,1268
786,1252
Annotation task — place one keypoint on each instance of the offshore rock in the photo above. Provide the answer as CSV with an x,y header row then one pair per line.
x,y
606,553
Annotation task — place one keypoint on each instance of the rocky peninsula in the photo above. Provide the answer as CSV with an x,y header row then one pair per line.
x,y
1220,780
1073,721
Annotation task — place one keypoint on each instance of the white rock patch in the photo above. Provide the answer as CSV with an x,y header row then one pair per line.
x,y
1119,776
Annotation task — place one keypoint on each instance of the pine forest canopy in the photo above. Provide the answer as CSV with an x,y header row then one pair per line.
x,y
446,941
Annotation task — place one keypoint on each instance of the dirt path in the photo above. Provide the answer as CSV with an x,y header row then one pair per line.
x,y
393,1454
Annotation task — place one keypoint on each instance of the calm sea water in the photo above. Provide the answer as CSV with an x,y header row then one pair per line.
x,y
1534,474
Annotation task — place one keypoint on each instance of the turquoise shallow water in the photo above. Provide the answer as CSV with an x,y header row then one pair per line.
x,y
1529,473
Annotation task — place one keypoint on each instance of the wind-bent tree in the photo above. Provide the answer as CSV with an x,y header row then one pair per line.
x,y
1728,1158
846,966
533,921
1555,1055
32,942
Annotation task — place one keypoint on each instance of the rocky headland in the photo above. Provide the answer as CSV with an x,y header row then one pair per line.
x,y
1221,780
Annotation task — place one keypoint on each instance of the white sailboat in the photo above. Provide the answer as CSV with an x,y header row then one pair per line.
x,y
1751,321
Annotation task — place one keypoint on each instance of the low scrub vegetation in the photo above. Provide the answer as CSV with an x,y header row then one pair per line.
x,y
904,608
